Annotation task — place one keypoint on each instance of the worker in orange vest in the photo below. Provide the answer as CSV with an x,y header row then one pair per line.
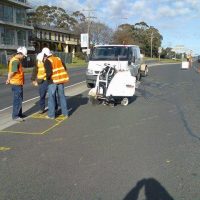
x,y
57,75
16,80
189,59
39,79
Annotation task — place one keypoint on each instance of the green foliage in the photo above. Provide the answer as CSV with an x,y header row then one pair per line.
x,y
139,34
80,55
77,62
124,35
3,70
3,66
55,17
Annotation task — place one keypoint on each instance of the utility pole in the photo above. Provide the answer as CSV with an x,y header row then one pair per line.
x,y
151,42
88,28
119,23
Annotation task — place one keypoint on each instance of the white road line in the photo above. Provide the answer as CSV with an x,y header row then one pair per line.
x,y
38,96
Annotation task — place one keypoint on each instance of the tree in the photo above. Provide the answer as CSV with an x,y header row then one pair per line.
x,y
144,34
55,17
139,34
167,53
80,17
123,35
100,33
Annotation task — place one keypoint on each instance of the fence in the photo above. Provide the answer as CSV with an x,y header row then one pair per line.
x,y
31,58
3,58
65,57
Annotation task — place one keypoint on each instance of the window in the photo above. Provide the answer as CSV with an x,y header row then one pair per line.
x,y
45,35
21,36
38,34
6,13
7,36
23,1
20,16
49,35
1,12
110,53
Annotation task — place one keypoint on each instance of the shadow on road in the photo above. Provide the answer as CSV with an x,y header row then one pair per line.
x,y
35,108
73,104
153,190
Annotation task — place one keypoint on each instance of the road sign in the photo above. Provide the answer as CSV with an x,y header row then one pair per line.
x,y
84,40
159,49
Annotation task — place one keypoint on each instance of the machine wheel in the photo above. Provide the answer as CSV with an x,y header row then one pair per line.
x,y
145,72
90,85
94,101
125,101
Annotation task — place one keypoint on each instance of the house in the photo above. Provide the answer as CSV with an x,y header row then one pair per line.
x,y
56,39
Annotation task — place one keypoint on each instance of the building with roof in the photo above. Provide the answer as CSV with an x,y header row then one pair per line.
x,y
14,29
56,39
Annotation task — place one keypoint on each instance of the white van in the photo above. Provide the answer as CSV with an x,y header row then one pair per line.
x,y
124,57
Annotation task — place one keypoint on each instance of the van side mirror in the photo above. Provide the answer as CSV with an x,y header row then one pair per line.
x,y
129,61
133,59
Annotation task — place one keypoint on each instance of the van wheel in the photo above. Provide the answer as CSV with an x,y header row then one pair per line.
x,y
138,77
125,101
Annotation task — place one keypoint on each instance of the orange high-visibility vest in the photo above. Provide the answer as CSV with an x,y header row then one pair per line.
x,y
18,77
41,70
59,73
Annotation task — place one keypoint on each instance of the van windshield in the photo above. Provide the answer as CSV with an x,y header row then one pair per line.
x,y
110,53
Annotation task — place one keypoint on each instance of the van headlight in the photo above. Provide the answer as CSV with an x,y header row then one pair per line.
x,y
89,71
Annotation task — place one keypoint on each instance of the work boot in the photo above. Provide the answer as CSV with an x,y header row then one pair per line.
x,y
19,119
41,111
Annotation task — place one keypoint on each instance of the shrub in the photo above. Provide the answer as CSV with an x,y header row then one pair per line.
x,y
80,55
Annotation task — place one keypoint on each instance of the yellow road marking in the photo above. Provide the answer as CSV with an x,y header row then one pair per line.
x,y
4,148
58,121
17,132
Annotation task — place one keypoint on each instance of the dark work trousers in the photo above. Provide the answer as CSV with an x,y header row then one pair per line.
x,y
43,87
17,91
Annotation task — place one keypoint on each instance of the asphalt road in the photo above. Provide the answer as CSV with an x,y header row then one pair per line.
x,y
147,150
76,75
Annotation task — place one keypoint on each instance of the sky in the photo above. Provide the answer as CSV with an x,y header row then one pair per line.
x,y
178,21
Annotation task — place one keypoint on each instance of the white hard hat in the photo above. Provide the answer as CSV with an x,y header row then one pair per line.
x,y
40,56
46,51
22,50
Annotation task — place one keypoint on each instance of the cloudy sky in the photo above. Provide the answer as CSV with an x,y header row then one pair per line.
x,y
178,21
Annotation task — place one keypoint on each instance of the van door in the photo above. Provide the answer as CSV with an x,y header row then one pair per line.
x,y
132,61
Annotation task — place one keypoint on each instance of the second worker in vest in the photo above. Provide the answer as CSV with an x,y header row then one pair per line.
x,y
39,79
56,75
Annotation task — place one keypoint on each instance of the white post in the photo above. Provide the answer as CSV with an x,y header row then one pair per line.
x,y
151,42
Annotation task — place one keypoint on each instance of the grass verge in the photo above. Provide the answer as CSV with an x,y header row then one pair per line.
x,y
76,62
164,60
3,70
